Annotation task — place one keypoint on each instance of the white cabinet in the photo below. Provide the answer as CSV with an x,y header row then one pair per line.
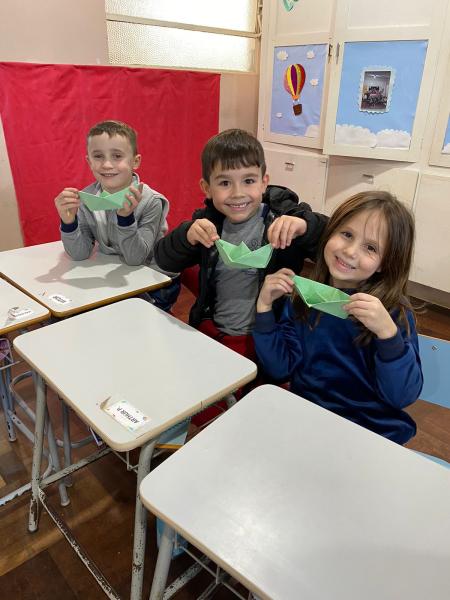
x,y
382,74
384,95
305,173
294,72
432,255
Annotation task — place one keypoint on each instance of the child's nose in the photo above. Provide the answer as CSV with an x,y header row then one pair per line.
x,y
351,248
237,190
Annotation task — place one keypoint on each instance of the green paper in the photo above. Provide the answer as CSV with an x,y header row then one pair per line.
x,y
241,257
322,297
104,201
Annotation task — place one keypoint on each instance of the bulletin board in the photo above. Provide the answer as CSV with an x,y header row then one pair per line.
x,y
379,90
297,89
440,148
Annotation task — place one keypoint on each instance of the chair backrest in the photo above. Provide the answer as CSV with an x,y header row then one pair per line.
x,y
435,357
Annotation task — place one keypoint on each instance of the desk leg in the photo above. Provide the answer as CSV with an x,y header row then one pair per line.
x,y
33,517
5,379
140,524
67,445
162,563
53,449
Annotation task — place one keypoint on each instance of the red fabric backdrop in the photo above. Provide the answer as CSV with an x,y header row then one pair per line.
x,y
48,109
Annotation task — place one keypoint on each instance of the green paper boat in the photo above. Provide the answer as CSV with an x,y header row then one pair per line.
x,y
322,297
241,257
104,201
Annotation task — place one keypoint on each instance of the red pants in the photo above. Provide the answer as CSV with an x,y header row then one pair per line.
x,y
243,345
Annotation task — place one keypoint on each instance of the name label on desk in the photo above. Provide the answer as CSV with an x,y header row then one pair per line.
x,y
19,313
127,415
59,299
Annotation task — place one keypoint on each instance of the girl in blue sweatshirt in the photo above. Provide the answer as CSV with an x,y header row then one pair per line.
x,y
365,368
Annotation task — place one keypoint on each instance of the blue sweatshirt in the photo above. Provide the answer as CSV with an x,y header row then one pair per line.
x,y
369,385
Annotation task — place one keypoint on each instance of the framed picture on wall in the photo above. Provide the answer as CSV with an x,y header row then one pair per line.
x,y
375,89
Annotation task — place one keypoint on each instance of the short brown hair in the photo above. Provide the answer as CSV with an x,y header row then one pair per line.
x,y
115,128
232,149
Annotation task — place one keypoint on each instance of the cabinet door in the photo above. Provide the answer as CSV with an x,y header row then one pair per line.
x,y
382,74
294,71
440,149
431,265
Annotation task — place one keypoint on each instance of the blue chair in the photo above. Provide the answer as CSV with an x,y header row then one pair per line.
x,y
435,357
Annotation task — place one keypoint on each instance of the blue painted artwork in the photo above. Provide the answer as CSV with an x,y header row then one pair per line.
x,y
399,66
289,62
446,146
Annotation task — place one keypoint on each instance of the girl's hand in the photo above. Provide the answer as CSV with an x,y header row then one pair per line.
x,y
276,285
67,204
132,200
371,312
284,229
202,231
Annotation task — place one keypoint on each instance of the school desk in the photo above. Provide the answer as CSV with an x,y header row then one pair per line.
x,y
66,286
296,502
132,352
17,311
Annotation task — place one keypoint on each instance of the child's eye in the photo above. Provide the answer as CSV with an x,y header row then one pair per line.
x,y
117,156
346,234
371,248
224,183
249,181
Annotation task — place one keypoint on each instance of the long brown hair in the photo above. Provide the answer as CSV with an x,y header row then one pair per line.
x,y
389,283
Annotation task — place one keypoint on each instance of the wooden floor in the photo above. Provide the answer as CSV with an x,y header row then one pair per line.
x,y
42,565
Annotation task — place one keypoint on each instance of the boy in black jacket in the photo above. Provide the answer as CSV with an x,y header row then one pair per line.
x,y
240,206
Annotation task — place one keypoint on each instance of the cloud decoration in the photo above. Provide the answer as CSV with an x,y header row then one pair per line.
x,y
355,135
446,149
282,55
312,131
314,82
393,138
310,54
279,115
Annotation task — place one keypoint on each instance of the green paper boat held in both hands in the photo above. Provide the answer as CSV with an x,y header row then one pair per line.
x,y
241,257
104,201
322,297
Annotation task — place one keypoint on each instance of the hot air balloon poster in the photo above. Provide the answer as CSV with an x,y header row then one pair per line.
x,y
297,89
294,80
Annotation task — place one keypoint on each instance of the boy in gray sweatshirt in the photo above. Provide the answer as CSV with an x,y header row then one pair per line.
x,y
132,230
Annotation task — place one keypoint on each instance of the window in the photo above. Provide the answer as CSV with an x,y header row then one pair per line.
x,y
195,34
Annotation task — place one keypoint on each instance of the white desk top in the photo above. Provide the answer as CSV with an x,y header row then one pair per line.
x,y
296,502
12,297
133,351
45,270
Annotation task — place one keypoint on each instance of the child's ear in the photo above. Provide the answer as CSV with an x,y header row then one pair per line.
x,y
88,160
205,187
265,181
137,161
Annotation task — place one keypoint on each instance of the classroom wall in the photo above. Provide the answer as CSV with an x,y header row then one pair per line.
x,y
68,32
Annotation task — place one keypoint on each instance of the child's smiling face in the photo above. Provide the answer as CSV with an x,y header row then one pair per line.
x,y
112,161
236,193
354,252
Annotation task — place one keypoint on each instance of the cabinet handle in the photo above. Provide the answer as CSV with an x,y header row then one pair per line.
x,y
338,47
